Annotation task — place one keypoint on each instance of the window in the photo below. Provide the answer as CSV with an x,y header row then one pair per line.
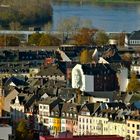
x,y
70,114
67,114
128,124
138,133
63,129
133,132
138,126
133,125
83,120
63,114
52,113
40,107
90,121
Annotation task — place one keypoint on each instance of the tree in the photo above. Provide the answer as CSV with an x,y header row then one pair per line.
x,y
34,39
126,57
21,130
121,39
12,41
2,41
71,26
85,57
15,26
101,38
84,36
1,104
134,84
49,40
48,27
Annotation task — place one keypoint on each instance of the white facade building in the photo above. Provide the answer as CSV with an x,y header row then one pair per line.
x,y
123,79
79,80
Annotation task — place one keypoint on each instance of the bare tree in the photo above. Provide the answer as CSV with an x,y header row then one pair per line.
x,y
15,26
48,27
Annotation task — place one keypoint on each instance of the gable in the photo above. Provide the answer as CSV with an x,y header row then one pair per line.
x,y
84,111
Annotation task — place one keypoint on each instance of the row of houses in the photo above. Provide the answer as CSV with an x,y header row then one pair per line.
x,y
113,118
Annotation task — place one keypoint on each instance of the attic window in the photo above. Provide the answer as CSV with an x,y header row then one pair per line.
x,y
72,109
70,114
52,113
56,112
67,114
63,114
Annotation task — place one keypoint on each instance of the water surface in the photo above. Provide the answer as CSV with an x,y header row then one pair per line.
x,y
113,17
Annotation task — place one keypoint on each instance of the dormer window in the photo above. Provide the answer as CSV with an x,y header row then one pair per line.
x,y
72,109
56,113
52,113
67,114
63,114
70,114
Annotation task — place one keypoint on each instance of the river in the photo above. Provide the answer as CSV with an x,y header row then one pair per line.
x,y
111,17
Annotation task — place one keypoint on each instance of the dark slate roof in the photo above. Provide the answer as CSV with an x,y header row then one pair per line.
x,y
135,35
24,98
16,81
102,94
136,105
51,101
66,94
92,107
70,107
120,105
99,68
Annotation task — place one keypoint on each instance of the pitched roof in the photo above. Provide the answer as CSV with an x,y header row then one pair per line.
x,y
91,107
120,105
135,35
136,105
51,70
70,107
52,102
99,68
16,81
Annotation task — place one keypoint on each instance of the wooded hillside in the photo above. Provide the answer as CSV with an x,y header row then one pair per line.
x,y
26,12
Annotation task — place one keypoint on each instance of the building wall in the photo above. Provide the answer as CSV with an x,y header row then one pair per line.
x,y
123,79
56,125
63,124
88,85
5,131
79,80
85,126
133,129
117,128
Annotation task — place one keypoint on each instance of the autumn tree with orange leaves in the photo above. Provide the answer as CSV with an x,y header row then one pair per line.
x,y
84,36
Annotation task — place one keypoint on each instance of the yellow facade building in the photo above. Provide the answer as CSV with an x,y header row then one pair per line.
x,y
133,129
